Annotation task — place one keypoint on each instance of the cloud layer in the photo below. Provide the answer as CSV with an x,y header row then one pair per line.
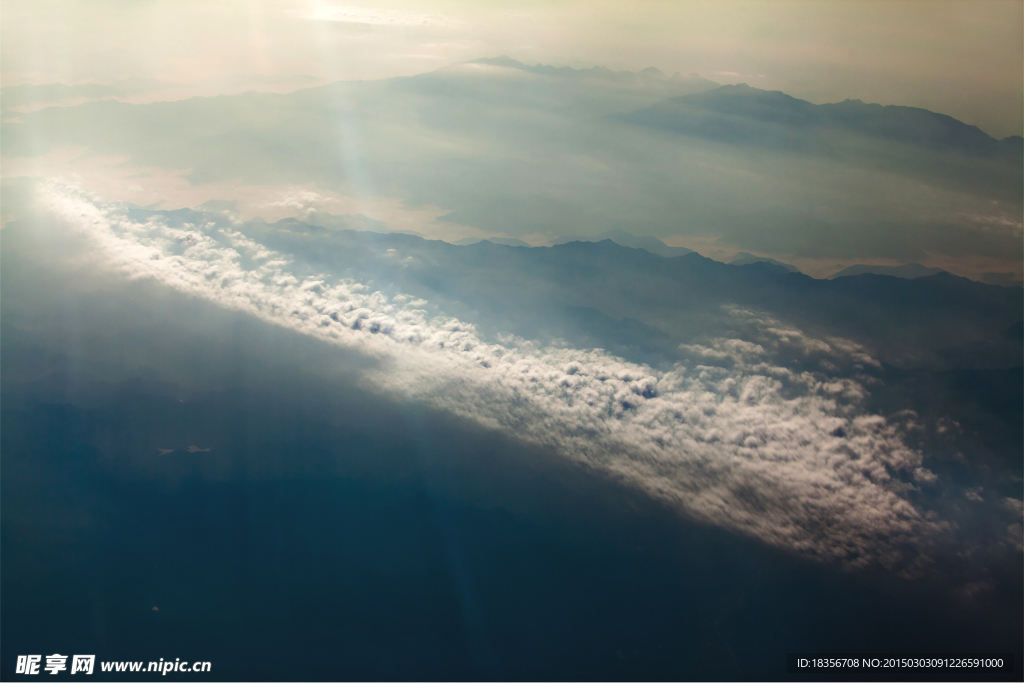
x,y
731,436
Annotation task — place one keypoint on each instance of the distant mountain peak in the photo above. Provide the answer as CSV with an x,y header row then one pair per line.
x,y
744,258
627,239
727,112
648,74
506,241
620,233
907,271
651,72
500,60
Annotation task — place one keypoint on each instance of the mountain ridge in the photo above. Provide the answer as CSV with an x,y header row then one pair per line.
x,y
744,258
908,271
649,74
912,125
627,239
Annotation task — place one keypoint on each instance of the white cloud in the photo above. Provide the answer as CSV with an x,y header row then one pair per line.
x,y
1015,536
731,436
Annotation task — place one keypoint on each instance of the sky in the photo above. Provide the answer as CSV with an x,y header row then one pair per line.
x,y
959,58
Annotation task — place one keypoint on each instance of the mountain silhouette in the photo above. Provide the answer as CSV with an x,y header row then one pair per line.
x,y
745,258
728,112
909,271
626,239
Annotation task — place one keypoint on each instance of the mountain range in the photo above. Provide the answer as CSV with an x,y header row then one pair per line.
x,y
626,239
719,112
539,153
644,75
744,258
908,270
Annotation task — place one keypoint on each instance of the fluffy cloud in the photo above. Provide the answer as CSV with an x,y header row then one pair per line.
x,y
731,436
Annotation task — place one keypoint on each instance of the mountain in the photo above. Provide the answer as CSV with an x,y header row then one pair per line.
x,y
722,112
649,74
533,133
908,271
908,141
653,303
744,258
507,241
621,237
21,95
349,221
225,206
59,94
1001,278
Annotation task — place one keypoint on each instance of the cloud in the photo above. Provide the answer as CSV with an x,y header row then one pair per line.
x,y
731,436
925,476
197,449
